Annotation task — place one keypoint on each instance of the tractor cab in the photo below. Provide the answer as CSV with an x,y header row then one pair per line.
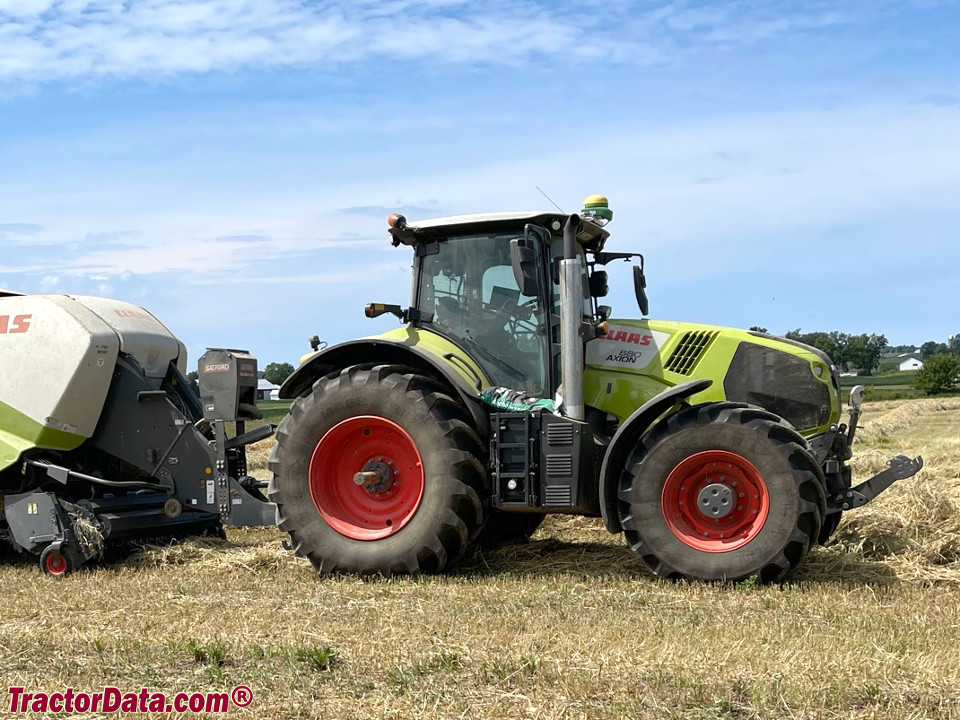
x,y
491,285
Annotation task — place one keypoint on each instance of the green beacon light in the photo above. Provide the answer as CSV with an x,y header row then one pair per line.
x,y
597,209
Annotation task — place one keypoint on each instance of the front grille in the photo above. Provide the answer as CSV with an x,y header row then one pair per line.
x,y
691,348
779,382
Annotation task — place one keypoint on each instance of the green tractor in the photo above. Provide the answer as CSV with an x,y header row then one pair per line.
x,y
509,393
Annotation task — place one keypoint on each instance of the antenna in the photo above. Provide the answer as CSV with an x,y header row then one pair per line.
x,y
548,198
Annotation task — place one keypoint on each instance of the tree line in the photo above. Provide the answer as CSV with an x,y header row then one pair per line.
x,y
941,361
848,352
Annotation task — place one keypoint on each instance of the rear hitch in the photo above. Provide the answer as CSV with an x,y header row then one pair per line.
x,y
901,467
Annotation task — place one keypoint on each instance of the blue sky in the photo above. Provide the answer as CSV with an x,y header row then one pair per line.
x,y
229,165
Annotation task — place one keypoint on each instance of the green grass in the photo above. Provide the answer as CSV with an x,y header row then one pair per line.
x,y
898,378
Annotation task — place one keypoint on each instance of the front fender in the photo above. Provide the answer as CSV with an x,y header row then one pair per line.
x,y
379,351
626,438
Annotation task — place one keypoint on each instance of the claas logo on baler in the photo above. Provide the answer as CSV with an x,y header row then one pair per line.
x,y
14,324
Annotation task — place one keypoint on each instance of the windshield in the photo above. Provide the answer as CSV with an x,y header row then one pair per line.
x,y
469,288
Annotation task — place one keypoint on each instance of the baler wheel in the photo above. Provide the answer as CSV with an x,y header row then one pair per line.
x,y
722,491
377,471
59,563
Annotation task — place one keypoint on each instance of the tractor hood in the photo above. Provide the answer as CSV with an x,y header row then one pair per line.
x,y
637,359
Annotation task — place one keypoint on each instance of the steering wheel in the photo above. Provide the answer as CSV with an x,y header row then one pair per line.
x,y
520,317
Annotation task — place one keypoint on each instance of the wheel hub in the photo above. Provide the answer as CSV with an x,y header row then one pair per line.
x,y
716,500
377,476
366,477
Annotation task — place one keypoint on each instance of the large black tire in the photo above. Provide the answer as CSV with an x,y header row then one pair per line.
x,y
506,527
830,524
409,411
771,526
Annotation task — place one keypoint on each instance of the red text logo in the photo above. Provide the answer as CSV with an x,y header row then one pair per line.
x,y
13,324
629,337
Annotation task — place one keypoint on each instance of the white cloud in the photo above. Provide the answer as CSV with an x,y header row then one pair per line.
x,y
738,181
44,40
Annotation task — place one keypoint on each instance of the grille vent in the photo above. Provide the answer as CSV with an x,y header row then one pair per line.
x,y
559,466
558,496
691,348
560,434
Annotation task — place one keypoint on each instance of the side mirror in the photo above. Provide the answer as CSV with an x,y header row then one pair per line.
x,y
524,260
599,287
640,289
856,398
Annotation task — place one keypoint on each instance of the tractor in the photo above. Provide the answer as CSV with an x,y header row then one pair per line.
x,y
509,393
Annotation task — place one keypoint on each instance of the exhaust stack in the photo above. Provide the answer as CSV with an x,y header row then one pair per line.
x,y
571,320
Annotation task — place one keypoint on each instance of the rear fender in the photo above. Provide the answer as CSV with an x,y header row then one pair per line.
x,y
386,352
626,439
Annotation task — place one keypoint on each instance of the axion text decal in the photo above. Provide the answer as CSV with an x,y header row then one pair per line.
x,y
626,347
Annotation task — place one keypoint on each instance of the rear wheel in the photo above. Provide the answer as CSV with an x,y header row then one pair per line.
x,y
722,491
377,471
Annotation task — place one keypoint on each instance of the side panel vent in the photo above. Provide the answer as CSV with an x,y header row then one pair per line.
x,y
558,496
691,348
558,434
559,466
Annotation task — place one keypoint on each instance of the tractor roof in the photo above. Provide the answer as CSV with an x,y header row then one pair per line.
x,y
8,293
591,235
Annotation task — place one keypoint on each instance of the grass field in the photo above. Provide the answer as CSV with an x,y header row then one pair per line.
x,y
567,626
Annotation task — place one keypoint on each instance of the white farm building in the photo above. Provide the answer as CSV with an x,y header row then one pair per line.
x,y
910,363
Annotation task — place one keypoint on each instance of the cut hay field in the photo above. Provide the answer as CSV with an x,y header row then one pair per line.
x,y
567,626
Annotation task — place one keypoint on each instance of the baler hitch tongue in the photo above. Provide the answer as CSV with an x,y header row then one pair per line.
x,y
901,467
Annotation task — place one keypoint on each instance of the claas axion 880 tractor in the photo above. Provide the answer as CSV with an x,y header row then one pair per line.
x,y
509,393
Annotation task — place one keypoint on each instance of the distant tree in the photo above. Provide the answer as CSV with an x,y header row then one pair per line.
x,y
277,372
830,343
861,352
757,328
954,344
900,349
938,375
864,351
192,379
931,348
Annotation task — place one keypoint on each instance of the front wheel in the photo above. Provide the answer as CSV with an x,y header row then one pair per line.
x,y
722,491
376,471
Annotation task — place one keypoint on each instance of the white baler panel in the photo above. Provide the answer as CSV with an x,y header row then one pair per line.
x,y
141,334
56,361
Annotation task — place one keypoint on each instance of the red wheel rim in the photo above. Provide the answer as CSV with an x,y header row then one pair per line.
x,y
705,480
356,445
55,564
